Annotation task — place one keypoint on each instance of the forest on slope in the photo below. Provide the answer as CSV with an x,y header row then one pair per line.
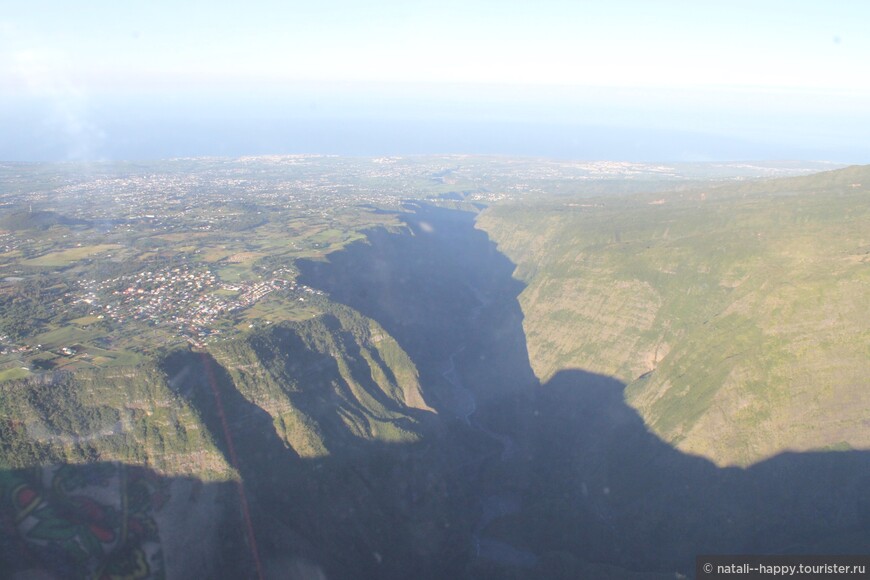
x,y
736,314
468,403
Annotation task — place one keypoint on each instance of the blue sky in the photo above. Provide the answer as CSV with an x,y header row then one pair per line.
x,y
776,72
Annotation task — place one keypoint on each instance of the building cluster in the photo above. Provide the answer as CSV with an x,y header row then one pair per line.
x,y
188,298
9,242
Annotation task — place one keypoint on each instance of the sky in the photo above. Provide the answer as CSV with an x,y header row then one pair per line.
x,y
99,79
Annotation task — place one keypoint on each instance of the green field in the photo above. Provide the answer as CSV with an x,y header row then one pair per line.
x,y
64,336
274,310
236,273
110,358
14,373
67,257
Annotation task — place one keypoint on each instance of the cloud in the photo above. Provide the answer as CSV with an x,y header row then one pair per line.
x,y
44,78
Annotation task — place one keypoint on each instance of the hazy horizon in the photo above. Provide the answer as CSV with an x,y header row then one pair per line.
x,y
625,80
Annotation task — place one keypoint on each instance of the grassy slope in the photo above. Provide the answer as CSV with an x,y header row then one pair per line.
x,y
126,414
325,382
328,380
749,303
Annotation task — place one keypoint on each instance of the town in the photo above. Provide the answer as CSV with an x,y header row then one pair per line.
x,y
186,299
101,263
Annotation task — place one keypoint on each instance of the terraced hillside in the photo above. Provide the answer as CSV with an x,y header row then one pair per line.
x,y
737,315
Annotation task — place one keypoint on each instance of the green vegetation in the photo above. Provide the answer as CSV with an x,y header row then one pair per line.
x,y
14,373
737,314
67,257
731,309
127,414
156,315
325,379
296,372
100,278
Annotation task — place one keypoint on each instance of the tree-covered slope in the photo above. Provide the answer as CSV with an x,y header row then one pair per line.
x,y
340,467
737,315
324,383
322,424
329,380
127,414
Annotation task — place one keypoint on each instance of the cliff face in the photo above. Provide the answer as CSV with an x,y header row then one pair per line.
x,y
402,433
128,414
340,444
324,383
329,381
317,435
343,468
735,315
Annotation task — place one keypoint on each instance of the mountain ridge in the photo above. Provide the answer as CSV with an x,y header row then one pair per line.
x,y
733,313
374,441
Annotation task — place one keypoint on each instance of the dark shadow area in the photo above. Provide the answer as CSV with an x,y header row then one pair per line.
x,y
512,479
446,294
607,491
596,487
370,510
104,520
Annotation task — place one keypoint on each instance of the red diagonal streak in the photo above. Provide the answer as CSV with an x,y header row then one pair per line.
x,y
231,448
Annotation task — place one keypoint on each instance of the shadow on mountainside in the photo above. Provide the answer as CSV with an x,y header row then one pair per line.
x,y
446,294
369,510
110,520
607,491
515,480
596,485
